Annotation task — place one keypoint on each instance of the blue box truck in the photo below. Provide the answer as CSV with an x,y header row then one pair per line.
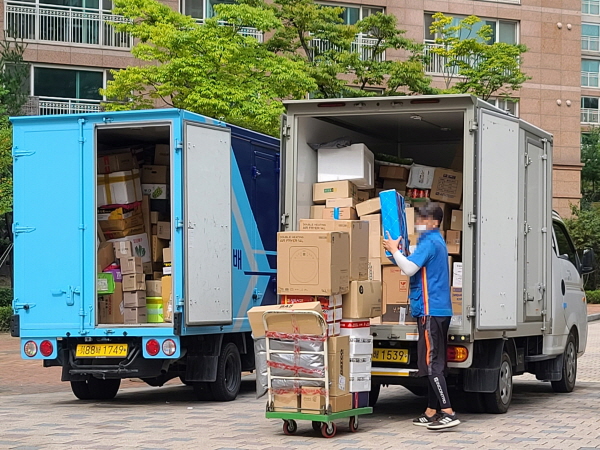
x,y
223,210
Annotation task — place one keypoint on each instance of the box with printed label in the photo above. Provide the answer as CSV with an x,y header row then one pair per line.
x,y
313,263
135,315
313,400
123,249
285,323
155,191
155,174
375,269
167,297
395,285
374,234
162,154
338,365
139,244
359,241
360,363
371,206
398,314
327,301
164,230
453,242
340,202
393,172
363,300
105,283
333,329
131,265
360,382
361,345
332,314
119,188
333,189
116,163
356,327
340,213
457,303
111,306
316,211
456,221
420,177
286,402
134,282
134,299
447,186
153,288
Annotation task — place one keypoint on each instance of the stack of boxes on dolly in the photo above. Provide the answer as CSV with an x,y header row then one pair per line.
x,y
134,258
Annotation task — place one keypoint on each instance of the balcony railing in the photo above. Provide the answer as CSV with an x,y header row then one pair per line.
x,y
590,43
590,115
589,79
54,23
57,105
244,31
437,63
362,44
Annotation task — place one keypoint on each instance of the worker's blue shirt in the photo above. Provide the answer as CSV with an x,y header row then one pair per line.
x,y
430,286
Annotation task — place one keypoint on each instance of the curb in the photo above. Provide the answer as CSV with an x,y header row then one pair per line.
x,y
593,317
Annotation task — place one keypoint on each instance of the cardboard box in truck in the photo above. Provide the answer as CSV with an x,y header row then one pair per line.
x,y
316,211
395,285
116,163
341,213
374,234
456,221
371,206
447,186
333,189
363,300
394,172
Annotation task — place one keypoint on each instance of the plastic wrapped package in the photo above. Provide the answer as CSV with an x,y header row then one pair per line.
x,y
260,358
298,345
297,365
280,383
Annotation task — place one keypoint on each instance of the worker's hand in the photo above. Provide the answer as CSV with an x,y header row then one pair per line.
x,y
392,245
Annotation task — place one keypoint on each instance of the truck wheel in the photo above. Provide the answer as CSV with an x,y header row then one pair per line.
x,y
569,369
498,402
81,390
203,391
474,402
374,394
229,374
96,389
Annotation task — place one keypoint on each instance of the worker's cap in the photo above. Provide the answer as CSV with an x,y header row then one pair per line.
x,y
430,211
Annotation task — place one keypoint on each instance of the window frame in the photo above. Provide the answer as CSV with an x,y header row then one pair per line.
x,y
105,75
589,36
590,3
557,251
360,8
597,74
497,21
595,112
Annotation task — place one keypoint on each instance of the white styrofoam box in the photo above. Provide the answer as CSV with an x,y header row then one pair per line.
x,y
334,329
331,301
355,163
360,364
360,382
457,274
356,327
420,177
361,345
332,314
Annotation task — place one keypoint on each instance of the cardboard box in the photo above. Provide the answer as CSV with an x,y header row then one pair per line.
x,y
420,177
105,283
393,172
410,220
313,263
456,296
327,301
124,233
155,174
316,211
158,246
164,230
119,188
155,191
131,265
397,185
450,262
134,299
134,282
453,242
360,363
288,402
356,327
457,272
139,246
395,286
363,300
162,155
110,307
375,269
155,217
333,329
146,213
398,314
148,268
154,229
369,207
359,241
135,315
106,256
340,213
374,234
447,186
340,202
333,189
122,249
167,254
157,275
167,297
116,163
120,219
312,401
456,221
306,324
362,196
153,288
339,365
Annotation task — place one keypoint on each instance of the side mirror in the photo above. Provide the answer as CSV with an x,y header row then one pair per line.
x,y
588,263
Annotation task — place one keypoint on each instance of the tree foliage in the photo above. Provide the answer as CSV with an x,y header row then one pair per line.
x,y
584,228
590,173
13,76
479,66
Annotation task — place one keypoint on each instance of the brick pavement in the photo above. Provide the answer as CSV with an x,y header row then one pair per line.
x,y
169,418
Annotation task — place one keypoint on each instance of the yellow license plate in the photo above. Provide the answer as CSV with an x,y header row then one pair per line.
x,y
390,355
101,350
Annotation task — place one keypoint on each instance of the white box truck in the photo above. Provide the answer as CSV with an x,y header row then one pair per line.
x,y
524,306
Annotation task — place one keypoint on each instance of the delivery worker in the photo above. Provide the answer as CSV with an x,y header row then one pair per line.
x,y
431,306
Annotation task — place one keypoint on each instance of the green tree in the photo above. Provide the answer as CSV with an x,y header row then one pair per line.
x,y
584,228
6,183
209,69
468,55
590,173
14,72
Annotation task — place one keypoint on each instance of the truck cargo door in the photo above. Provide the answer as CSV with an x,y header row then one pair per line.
x,y
497,222
54,231
207,222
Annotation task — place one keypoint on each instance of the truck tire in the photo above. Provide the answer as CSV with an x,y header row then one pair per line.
x,y
81,390
374,394
498,402
96,389
474,402
229,374
569,369
203,391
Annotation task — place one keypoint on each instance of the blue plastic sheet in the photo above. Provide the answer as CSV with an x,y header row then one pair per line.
x,y
393,218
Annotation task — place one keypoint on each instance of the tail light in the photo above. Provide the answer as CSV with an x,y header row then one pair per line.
x,y
152,347
457,353
169,347
30,349
46,348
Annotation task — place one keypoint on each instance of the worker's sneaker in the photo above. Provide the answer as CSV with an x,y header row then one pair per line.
x,y
444,421
424,420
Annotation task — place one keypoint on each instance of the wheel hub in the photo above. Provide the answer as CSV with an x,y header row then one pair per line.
x,y
505,382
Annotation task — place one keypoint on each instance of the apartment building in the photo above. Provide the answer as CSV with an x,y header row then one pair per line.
x,y
71,49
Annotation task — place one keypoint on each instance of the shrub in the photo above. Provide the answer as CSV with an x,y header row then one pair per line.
x,y
5,313
6,297
593,296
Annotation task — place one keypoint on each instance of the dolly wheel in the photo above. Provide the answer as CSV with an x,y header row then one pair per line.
x,y
289,427
328,430
353,424
316,426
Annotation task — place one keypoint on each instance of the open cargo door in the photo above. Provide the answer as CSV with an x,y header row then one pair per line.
x,y
497,228
54,226
207,241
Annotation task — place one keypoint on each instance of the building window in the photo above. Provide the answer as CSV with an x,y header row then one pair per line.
x,y
502,30
590,35
589,110
505,105
202,9
589,72
352,14
591,7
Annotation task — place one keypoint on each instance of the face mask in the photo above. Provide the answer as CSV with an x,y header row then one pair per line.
x,y
420,228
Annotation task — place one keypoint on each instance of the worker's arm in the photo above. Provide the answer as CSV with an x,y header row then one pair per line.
x,y
408,267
